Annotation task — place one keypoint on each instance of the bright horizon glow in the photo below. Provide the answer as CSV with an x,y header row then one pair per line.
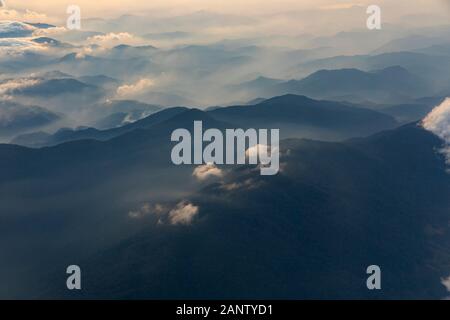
x,y
101,8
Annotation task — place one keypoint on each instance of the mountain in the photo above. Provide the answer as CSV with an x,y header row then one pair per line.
x,y
409,43
66,135
389,84
433,68
52,42
414,111
55,87
100,81
114,67
334,209
295,116
15,29
16,118
257,85
299,116
167,35
122,112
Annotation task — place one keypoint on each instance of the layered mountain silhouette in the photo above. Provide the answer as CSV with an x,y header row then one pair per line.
x,y
309,232
16,118
386,85
56,87
295,116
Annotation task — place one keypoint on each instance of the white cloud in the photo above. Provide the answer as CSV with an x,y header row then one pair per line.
x,y
183,213
438,122
112,39
7,86
128,90
446,283
148,209
22,15
260,150
47,32
248,184
15,29
207,171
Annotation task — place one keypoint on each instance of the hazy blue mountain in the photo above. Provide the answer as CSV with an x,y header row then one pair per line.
x,y
41,25
414,111
258,83
299,116
167,35
128,106
15,29
66,135
113,120
409,43
256,101
56,87
256,86
389,84
122,112
52,42
16,118
100,81
114,67
433,68
441,49
295,116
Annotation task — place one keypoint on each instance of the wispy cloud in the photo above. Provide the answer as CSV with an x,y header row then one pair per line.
x,y
129,90
112,39
182,213
21,15
8,86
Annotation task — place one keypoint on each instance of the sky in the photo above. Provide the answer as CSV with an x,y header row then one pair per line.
x,y
99,8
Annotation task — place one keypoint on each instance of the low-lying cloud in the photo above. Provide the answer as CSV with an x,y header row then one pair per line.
x,y
22,15
183,213
8,86
112,39
207,171
438,122
15,29
130,90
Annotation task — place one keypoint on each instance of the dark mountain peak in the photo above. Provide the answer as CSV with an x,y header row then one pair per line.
x,y
41,25
287,98
393,71
122,47
46,40
345,72
71,57
52,87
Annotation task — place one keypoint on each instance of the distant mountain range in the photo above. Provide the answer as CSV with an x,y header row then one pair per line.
x,y
390,84
295,116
